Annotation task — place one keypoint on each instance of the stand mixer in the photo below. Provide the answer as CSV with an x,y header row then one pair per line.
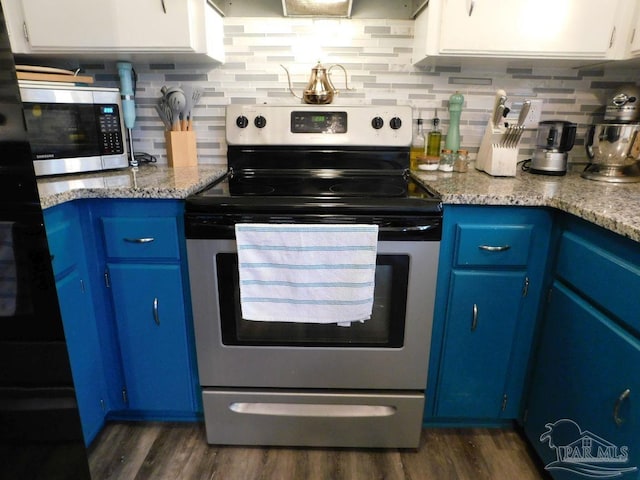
x,y
614,148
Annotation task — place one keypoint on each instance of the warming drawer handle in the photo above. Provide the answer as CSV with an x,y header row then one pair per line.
x,y
494,248
312,409
616,409
140,240
156,313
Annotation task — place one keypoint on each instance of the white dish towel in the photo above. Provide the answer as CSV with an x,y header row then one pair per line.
x,y
306,273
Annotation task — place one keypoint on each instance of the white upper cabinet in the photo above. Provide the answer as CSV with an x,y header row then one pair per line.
x,y
563,29
163,27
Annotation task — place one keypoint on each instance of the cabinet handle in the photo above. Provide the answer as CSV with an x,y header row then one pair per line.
x,y
613,37
492,248
140,240
156,315
616,409
471,5
474,318
164,7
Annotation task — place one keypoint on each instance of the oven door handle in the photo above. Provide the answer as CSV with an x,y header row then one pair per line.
x,y
413,228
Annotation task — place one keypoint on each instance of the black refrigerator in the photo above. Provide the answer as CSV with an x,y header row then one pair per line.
x,y
40,433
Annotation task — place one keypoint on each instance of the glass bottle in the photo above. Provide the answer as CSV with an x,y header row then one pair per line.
x,y
461,163
434,138
447,157
417,145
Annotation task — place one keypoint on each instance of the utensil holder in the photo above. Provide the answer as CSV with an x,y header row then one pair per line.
x,y
498,154
181,148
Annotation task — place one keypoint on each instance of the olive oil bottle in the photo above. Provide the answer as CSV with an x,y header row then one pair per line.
x,y
417,145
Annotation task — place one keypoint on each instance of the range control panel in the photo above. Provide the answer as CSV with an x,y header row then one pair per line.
x,y
318,125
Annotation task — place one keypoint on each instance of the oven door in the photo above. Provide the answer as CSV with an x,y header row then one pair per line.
x,y
389,351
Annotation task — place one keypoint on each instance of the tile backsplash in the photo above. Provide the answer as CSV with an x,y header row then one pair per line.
x,y
377,56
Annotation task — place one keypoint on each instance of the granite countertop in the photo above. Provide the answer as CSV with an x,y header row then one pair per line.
x,y
147,181
615,207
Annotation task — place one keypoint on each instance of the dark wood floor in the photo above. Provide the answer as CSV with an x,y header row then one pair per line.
x,y
168,451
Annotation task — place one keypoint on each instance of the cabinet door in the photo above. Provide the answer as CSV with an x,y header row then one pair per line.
x,y
634,40
481,322
542,28
150,314
77,25
83,345
585,364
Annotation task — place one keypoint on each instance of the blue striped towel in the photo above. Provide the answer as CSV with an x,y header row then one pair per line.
x,y
306,273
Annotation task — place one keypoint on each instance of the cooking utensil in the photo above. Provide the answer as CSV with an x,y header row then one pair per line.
x,y
186,114
163,114
177,102
195,98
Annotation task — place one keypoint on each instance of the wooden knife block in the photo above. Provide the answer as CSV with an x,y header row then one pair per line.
x,y
181,148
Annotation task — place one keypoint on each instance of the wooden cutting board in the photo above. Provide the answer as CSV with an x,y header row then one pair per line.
x,y
54,77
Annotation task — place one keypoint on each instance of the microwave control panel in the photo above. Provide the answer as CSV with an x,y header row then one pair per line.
x,y
109,129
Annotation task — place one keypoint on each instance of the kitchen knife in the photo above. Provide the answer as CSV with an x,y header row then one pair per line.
x,y
524,111
498,108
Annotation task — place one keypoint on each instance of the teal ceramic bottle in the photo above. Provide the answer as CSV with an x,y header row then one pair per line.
x,y
453,134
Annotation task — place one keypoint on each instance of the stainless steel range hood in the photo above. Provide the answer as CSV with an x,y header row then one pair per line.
x,y
315,8
359,9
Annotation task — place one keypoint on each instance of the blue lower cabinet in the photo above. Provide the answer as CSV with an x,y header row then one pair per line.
x,y
479,337
68,254
150,317
583,415
490,281
84,353
583,408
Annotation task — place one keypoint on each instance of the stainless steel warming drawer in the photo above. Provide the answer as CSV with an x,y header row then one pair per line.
x,y
313,418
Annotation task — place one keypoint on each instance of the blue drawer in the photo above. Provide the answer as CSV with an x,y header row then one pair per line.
x,y
135,237
609,281
493,245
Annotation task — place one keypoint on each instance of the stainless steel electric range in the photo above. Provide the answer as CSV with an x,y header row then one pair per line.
x,y
316,384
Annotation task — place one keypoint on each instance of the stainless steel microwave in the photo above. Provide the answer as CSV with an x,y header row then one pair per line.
x,y
74,129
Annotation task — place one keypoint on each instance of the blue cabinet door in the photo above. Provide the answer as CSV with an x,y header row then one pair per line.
x,y
150,317
84,353
481,321
584,398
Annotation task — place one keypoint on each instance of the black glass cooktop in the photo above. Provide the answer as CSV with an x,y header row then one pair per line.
x,y
317,184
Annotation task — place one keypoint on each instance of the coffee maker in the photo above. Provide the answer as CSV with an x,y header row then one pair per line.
x,y
614,146
554,141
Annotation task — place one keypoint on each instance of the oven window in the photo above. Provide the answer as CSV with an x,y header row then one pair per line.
x,y
385,328
62,130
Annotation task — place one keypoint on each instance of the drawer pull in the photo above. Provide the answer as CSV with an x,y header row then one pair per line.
x,y
140,240
156,314
491,248
616,409
474,318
